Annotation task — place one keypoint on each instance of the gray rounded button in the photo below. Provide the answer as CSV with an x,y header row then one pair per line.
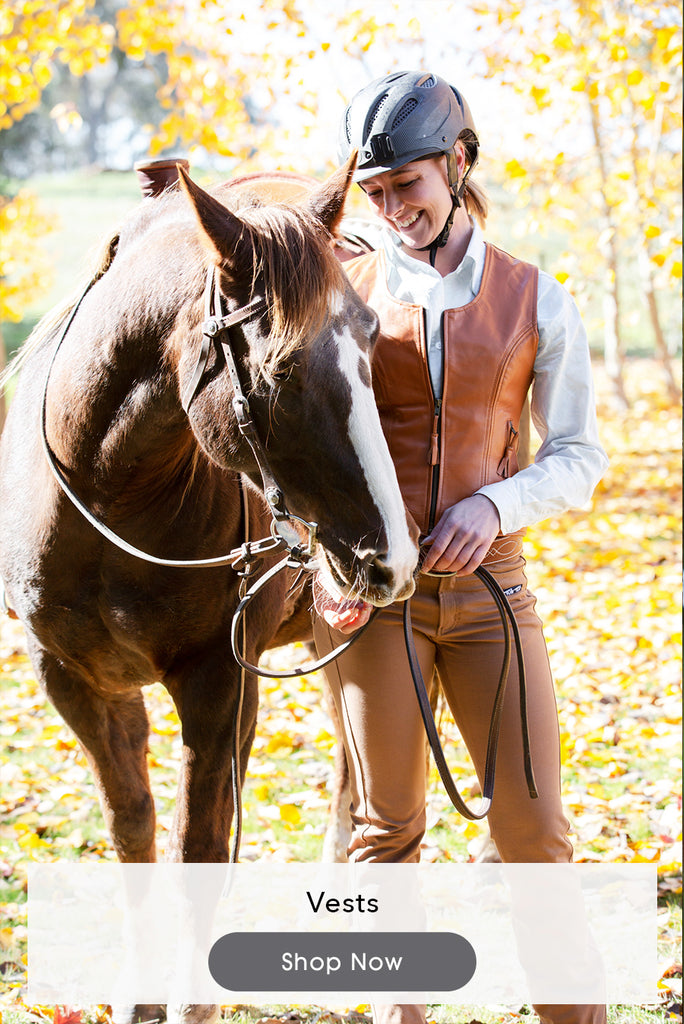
x,y
339,962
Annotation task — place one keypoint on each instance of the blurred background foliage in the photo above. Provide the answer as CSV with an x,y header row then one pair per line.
x,y
577,102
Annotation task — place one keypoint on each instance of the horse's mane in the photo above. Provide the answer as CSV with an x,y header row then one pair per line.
x,y
293,259
301,275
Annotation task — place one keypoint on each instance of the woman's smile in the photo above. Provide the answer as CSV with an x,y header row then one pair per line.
x,y
408,222
414,200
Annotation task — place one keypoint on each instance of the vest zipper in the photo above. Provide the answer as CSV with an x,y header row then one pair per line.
x,y
436,436
435,446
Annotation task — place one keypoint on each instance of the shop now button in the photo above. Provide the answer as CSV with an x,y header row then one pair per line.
x,y
342,962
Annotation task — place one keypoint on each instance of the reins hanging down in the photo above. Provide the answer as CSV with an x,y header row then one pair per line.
x,y
508,623
507,615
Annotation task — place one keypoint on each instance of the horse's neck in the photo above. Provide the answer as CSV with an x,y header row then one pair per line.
x,y
112,400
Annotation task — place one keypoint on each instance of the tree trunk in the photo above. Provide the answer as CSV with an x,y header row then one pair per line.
x,y
644,254
662,352
613,347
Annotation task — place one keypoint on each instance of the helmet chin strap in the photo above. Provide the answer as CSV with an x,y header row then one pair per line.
x,y
456,196
441,240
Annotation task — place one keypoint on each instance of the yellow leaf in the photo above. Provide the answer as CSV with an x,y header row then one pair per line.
x,y
676,270
539,94
290,813
278,741
514,169
652,231
563,41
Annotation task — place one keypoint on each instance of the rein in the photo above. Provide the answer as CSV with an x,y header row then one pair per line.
x,y
508,622
284,536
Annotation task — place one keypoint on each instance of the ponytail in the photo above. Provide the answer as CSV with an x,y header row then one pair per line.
x,y
476,202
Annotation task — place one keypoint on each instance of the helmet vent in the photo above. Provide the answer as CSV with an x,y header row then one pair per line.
x,y
429,83
405,111
375,112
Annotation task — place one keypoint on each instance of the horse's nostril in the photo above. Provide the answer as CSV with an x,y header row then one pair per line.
x,y
383,576
380,574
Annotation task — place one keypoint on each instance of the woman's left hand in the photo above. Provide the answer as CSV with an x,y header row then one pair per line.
x,y
463,536
348,619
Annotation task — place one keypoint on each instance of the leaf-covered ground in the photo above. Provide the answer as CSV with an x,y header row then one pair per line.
x,y
608,583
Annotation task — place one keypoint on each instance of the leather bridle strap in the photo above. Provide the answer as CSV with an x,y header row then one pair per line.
x,y
217,324
507,616
296,562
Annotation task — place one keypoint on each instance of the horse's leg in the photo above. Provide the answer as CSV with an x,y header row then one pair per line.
x,y
338,832
113,734
206,698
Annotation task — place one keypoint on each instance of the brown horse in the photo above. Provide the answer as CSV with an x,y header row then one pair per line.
x,y
101,623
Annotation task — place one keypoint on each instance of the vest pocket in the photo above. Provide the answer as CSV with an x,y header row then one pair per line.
x,y
508,466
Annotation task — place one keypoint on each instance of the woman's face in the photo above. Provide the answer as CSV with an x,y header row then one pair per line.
x,y
414,200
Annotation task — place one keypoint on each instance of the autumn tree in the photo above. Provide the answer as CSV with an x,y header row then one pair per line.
x,y
603,81
32,35
231,92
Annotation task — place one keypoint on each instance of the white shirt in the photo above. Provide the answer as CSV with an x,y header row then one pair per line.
x,y
570,461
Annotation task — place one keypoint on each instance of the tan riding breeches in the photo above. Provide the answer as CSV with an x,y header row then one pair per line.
x,y
459,638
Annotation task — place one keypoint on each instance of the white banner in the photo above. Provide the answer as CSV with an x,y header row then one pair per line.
x,y
300,933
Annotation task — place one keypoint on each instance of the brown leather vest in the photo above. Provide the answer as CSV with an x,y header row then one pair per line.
x,y
445,450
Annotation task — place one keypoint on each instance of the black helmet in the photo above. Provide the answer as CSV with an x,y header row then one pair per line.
x,y
402,117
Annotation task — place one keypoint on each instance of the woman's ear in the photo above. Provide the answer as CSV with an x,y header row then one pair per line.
x,y
461,158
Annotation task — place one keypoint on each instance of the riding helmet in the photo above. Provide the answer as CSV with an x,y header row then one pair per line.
x,y
402,117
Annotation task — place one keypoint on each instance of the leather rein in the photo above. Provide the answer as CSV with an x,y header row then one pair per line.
x,y
247,558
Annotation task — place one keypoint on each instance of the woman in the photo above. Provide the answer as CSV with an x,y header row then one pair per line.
x,y
465,331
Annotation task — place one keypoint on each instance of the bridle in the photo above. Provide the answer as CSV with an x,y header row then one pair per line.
x,y
217,328
213,327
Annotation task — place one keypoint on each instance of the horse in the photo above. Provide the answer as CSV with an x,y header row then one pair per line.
x,y
165,471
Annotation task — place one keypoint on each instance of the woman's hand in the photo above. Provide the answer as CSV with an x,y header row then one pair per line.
x,y
346,619
344,615
463,536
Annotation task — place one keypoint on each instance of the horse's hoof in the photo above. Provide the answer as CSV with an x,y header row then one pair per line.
x,y
192,1013
140,1013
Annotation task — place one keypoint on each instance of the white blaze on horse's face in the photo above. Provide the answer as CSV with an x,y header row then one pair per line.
x,y
370,447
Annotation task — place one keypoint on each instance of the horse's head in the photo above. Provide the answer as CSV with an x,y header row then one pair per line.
x,y
304,365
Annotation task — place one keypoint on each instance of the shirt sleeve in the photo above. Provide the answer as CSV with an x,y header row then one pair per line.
x,y
570,461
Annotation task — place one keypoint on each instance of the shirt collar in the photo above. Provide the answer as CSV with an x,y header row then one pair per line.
x,y
469,269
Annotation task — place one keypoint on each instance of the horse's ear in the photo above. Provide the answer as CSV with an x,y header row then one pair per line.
x,y
221,230
327,201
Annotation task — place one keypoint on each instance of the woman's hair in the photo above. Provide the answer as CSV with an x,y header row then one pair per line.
x,y
474,196
476,202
